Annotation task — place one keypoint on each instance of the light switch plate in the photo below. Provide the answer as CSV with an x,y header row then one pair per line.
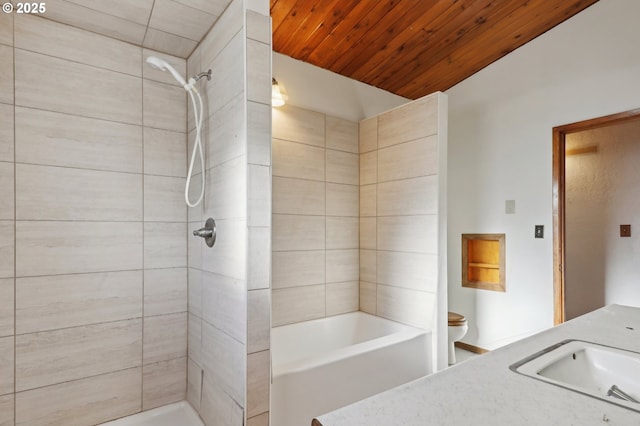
x,y
539,231
625,230
510,206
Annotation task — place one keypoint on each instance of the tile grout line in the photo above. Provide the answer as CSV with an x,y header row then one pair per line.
x,y
75,61
114,271
143,223
359,219
326,157
93,376
298,142
92,117
377,151
324,180
186,167
109,222
90,324
146,29
89,117
109,37
125,172
15,209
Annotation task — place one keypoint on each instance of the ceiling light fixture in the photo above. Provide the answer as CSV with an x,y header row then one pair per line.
x,y
276,97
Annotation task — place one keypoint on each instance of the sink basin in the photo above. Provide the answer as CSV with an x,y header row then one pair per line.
x,y
588,368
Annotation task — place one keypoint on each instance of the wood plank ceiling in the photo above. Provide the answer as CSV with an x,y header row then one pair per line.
x,y
411,47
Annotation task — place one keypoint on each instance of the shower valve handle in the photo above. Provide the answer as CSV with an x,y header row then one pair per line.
x,y
208,232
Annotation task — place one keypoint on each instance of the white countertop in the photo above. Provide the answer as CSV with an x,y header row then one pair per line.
x,y
483,391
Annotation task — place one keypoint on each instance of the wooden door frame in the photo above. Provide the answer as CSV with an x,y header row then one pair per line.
x,y
558,191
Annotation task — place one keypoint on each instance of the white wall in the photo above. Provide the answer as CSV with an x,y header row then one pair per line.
x,y
602,192
310,87
500,127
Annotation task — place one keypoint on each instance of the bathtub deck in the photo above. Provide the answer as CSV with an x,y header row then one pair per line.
x,y
177,414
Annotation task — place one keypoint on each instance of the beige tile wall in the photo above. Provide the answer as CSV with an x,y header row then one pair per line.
x,y
399,213
109,396
7,224
229,297
93,250
164,343
149,23
315,215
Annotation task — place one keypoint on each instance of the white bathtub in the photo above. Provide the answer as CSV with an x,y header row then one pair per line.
x,y
321,365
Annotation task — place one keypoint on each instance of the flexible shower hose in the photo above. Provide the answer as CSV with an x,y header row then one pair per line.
x,y
196,146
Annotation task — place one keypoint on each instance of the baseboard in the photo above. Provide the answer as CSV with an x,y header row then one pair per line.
x,y
470,348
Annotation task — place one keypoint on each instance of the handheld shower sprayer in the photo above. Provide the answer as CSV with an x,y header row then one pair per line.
x,y
163,65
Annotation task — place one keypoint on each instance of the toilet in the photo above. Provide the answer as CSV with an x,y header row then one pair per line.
x,y
457,329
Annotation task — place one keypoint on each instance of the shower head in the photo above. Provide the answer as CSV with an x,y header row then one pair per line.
x,y
163,65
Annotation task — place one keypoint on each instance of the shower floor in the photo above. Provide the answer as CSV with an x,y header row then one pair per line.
x,y
179,413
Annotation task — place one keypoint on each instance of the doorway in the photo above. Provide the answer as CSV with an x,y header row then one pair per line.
x,y
559,200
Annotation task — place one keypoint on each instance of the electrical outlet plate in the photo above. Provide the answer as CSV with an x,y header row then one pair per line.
x,y
539,231
625,230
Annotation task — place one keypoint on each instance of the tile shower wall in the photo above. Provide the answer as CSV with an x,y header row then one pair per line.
x,y
229,300
315,215
399,190
92,227
7,224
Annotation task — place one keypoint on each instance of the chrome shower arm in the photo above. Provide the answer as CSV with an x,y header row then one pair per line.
x,y
203,74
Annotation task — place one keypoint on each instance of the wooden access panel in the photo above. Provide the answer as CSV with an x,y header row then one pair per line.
x,y
483,260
